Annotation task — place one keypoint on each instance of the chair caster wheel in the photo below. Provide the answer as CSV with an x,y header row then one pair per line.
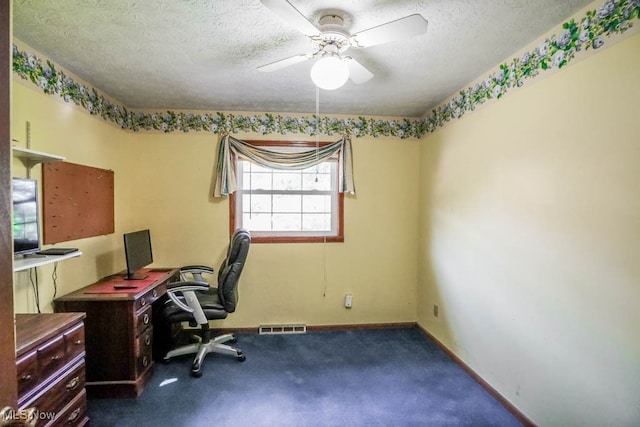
x,y
196,369
241,357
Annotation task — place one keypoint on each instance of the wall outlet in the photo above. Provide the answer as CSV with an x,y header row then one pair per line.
x,y
435,310
348,301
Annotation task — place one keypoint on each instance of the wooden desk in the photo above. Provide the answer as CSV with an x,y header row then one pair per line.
x,y
119,330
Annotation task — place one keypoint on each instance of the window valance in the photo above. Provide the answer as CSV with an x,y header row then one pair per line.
x,y
229,146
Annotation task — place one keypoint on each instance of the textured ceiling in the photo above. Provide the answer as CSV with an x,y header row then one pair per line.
x,y
204,54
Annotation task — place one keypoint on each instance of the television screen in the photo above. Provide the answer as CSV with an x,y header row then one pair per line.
x,y
137,250
26,230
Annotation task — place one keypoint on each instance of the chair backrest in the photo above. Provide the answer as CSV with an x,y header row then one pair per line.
x,y
231,268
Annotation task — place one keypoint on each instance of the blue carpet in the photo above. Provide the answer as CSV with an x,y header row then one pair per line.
x,y
379,377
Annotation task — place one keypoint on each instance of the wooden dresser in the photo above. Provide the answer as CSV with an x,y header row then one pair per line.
x,y
120,330
50,358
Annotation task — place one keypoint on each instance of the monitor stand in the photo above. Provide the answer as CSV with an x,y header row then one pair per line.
x,y
136,276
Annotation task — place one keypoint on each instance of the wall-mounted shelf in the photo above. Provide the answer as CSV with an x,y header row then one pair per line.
x,y
31,261
30,158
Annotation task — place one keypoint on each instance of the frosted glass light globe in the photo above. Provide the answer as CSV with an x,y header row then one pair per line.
x,y
329,72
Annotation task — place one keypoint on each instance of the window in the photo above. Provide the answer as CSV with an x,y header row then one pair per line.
x,y
288,205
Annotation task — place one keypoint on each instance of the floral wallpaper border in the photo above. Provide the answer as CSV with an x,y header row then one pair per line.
x,y
613,17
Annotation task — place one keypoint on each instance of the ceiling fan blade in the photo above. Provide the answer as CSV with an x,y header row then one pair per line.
x,y
399,29
357,72
278,65
292,16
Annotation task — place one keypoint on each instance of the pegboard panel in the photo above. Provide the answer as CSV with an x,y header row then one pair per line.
x,y
77,202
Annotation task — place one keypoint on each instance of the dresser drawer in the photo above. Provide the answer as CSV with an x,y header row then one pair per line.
x,y
28,378
74,414
74,341
51,357
143,320
60,393
50,365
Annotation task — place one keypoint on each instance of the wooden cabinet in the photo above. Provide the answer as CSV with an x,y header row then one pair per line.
x,y
50,361
120,330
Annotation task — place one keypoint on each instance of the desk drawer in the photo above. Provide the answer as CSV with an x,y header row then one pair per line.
x,y
150,297
145,341
144,350
143,320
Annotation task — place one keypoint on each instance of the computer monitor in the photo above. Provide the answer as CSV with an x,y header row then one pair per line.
x,y
26,228
138,254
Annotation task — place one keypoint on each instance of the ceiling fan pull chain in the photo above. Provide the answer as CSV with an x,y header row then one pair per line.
x,y
317,128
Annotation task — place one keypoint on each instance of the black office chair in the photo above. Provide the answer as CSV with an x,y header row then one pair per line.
x,y
195,301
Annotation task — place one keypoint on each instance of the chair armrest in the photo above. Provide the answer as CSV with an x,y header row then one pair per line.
x,y
187,289
194,285
196,272
193,268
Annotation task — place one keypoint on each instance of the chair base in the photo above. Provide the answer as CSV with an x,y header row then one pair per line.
x,y
201,349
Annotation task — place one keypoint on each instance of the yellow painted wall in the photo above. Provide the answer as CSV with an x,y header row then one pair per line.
x,y
289,283
524,231
530,218
65,130
164,181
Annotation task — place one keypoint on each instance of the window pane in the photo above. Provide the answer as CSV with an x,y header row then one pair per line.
x,y
248,166
321,168
318,182
257,222
287,203
287,222
316,222
316,203
280,204
287,180
260,203
256,181
326,167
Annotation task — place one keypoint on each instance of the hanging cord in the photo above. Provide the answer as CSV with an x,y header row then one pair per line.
x,y
54,277
317,128
250,188
34,285
324,236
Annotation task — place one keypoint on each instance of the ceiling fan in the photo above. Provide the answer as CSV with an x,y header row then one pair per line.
x,y
331,39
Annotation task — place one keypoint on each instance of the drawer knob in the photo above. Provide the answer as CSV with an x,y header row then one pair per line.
x,y
73,384
26,377
77,342
145,319
74,416
154,293
147,341
56,357
145,361
143,302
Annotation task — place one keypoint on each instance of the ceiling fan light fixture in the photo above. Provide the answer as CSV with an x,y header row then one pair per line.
x,y
329,72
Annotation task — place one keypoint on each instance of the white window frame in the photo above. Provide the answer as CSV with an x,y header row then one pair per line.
x,y
334,234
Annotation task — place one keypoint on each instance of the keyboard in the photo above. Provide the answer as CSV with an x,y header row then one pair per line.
x,y
57,251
